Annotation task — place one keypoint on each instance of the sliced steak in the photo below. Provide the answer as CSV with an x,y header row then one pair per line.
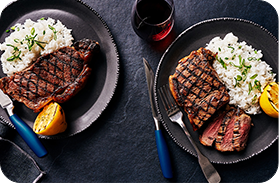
x,y
221,120
233,135
229,130
196,87
56,76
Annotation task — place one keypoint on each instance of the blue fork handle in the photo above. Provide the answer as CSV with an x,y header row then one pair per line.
x,y
163,154
28,136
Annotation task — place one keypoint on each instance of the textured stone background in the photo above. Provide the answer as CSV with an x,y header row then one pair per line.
x,y
120,146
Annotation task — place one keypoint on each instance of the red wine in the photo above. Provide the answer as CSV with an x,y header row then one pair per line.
x,y
151,19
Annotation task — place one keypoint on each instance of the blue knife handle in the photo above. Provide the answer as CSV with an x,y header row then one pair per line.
x,y
163,154
28,136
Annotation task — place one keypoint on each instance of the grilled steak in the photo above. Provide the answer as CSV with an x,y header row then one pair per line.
x,y
196,87
232,136
56,76
229,130
210,133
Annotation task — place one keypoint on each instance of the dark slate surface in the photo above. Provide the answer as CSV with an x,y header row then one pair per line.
x,y
120,146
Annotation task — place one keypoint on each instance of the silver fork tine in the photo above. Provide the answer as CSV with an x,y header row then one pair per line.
x,y
163,98
168,101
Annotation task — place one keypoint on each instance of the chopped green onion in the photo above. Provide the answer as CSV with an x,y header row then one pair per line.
x,y
254,76
257,85
16,40
32,31
54,32
250,88
238,78
236,82
238,66
39,43
221,61
16,53
231,48
254,99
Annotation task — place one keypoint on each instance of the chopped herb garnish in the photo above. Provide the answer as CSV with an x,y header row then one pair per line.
x,y
257,86
254,76
16,53
42,18
237,82
254,99
16,40
238,78
54,32
221,61
39,43
31,40
250,88
14,57
13,27
231,48
243,69
253,58
32,31
8,30
219,49
238,66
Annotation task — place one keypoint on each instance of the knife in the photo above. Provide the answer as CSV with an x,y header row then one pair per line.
x,y
162,148
23,129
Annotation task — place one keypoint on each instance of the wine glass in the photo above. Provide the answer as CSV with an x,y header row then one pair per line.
x,y
152,20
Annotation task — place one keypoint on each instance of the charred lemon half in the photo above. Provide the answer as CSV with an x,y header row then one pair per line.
x,y
51,120
269,100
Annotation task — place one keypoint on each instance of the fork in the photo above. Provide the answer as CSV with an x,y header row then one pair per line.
x,y
175,115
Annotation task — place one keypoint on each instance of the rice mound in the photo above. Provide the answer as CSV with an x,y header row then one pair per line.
x,y
49,40
241,69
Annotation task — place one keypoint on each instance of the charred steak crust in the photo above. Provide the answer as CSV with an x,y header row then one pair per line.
x,y
196,87
233,135
56,76
228,131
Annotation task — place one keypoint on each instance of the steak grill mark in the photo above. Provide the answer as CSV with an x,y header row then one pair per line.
x,y
56,76
35,79
194,75
196,87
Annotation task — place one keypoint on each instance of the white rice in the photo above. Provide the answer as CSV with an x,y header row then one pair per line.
x,y
241,95
44,34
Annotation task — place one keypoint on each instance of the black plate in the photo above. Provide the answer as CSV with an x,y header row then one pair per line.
x,y
84,108
264,132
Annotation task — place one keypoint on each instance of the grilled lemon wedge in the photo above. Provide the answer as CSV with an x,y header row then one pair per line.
x,y
51,120
269,100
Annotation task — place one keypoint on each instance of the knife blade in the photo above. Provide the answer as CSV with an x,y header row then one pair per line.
x,y
163,152
23,129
